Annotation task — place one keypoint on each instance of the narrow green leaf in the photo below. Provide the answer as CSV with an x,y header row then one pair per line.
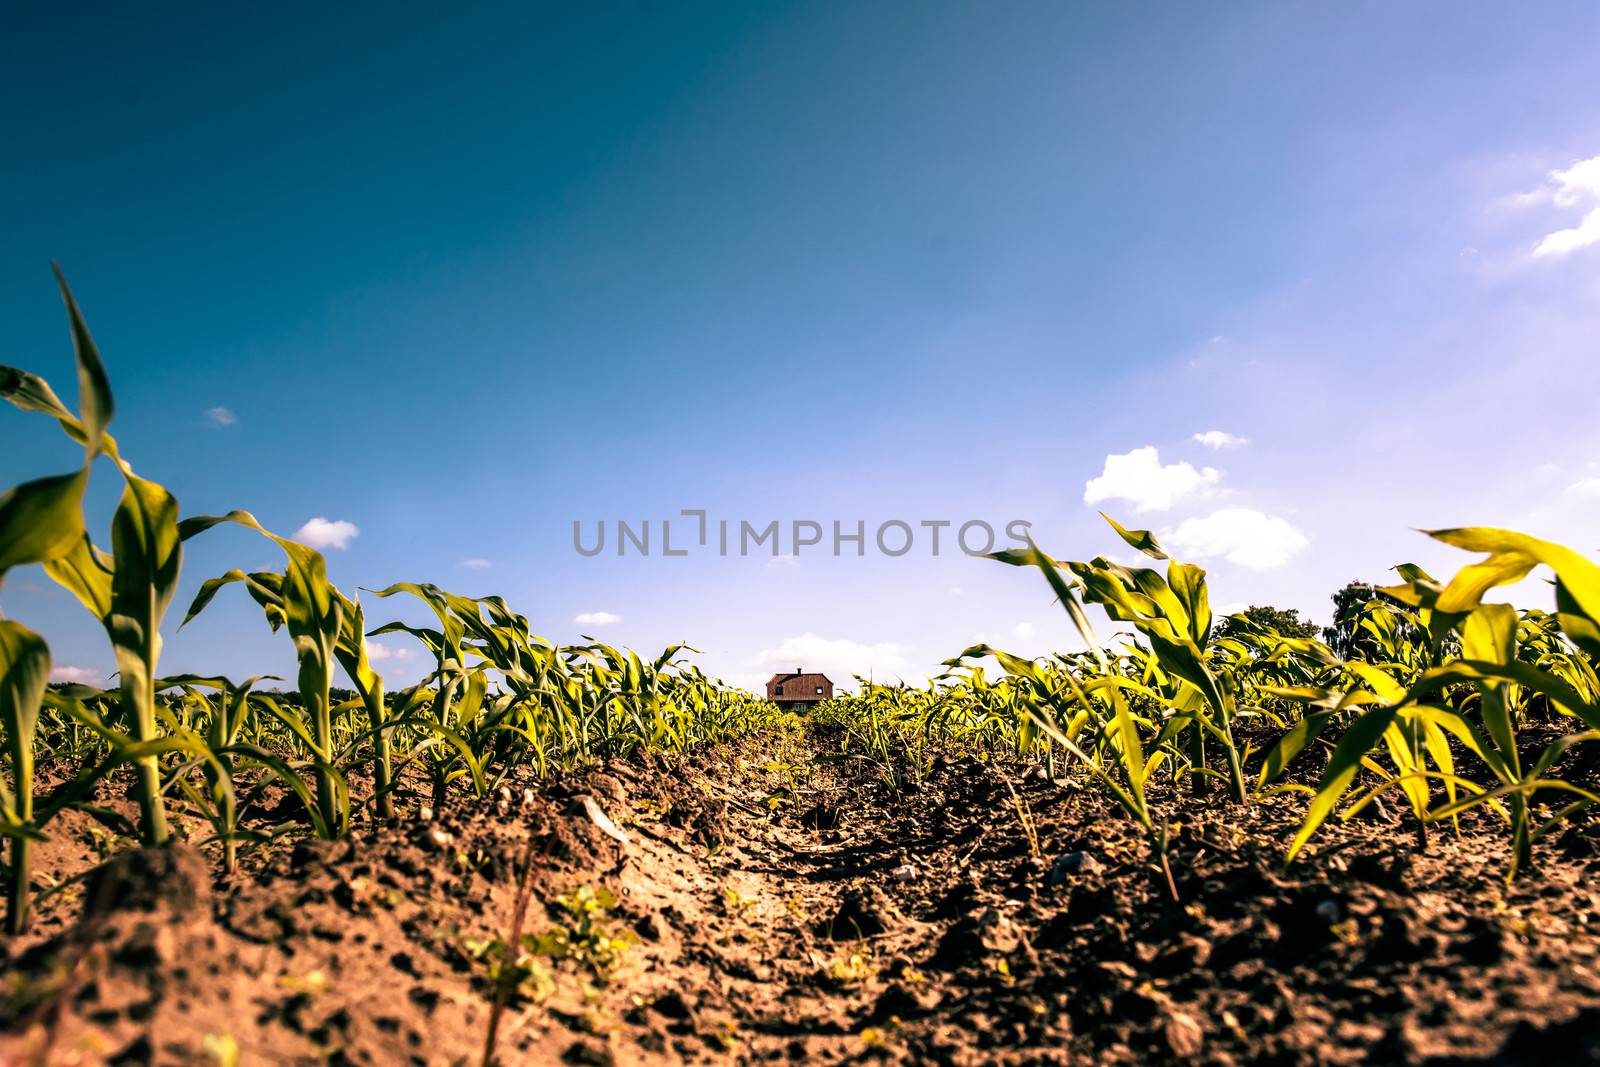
x,y
1143,540
1353,747
41,520
95,407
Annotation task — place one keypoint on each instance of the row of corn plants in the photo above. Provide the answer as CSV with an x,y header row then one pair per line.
x,y
499,700
1431,704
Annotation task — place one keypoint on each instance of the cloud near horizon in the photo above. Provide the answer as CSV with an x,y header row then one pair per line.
x,y
77,675
838,658
596,618
1576,186
1216,440
1589,486
1242,536
1139,478
321,533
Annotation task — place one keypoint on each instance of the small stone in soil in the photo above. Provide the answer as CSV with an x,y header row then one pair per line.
x,y
1184,1035
1073,863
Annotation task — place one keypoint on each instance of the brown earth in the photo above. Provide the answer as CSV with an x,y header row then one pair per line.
x,y
771,911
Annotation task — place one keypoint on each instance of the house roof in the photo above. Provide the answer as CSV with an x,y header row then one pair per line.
x,y
796,676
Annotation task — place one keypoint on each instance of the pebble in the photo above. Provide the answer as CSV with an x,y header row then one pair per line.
x,y
1073,863
904,873
1184,1034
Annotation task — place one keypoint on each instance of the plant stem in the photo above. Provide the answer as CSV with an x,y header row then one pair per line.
x,y
21,867
381,771
141,694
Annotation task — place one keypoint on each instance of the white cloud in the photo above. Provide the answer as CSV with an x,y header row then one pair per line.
x,y
1242,536
1023,629
1561,242
474,564
597,618
751,682
839,659
320,533
77,675
1139,477
377,652
1216,440
1576,186
1589,486
220,416
1577,183
788,562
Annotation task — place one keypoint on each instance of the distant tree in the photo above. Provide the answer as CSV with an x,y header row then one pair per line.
x,y
1345,636
1284,621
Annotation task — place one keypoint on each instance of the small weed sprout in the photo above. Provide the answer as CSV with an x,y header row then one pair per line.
x,y
735,901
311,984
221,1049
852,967
589,937
520,973
876,1038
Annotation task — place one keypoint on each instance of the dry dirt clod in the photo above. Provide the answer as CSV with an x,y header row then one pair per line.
x,y
987,933
590,807
863,912
1185,1037
172,878
824,815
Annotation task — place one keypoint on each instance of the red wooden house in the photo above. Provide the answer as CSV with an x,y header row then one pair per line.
x,y
798,691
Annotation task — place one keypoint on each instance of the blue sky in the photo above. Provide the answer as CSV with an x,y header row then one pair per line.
x,y
459,277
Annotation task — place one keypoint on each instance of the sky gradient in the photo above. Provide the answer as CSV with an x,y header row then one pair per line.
x,y
448,280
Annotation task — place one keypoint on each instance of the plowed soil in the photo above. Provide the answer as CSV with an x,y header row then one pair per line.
x,y
768,908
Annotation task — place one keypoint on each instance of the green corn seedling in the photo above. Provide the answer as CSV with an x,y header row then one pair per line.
x,y
24,673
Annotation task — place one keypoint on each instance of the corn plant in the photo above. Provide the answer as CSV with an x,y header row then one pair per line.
x,y
457,695
1174,615
24,673
1490,667
351,652
1064,704
128,590
40,521
226,723
267,589
304,602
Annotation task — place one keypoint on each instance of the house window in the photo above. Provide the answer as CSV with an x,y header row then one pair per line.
x,y
819,690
